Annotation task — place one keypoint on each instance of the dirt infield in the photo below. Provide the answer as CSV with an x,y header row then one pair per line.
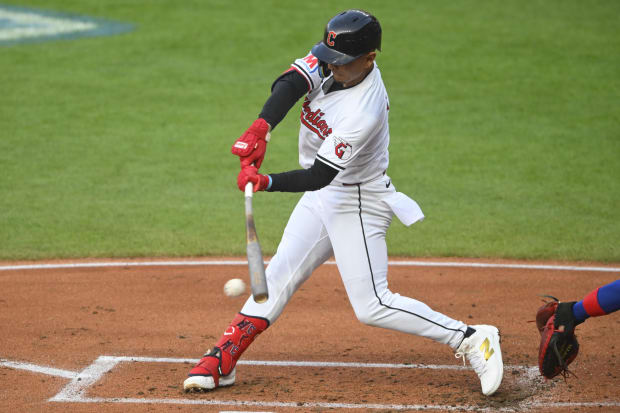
x,y
121,337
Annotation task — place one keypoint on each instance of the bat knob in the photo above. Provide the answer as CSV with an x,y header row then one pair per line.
x,y
261,298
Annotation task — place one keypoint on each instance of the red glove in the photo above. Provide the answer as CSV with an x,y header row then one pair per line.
x,y
251,146
250,174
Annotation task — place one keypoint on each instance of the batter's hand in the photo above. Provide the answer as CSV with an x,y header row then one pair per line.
x,y
252,144
250,174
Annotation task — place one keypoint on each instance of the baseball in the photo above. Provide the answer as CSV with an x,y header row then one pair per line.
x,y
234,287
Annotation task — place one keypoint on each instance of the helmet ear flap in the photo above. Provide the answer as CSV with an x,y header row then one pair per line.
x,y
376,30
323,69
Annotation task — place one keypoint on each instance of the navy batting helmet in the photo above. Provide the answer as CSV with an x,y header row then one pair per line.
x,y
348,36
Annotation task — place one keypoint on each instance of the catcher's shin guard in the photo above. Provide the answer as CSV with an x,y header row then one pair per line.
x,y
217,367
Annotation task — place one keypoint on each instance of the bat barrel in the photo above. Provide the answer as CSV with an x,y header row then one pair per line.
x,y
257,272
256,264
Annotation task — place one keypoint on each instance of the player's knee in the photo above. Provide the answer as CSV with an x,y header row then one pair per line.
x,y
369,321
368,315
370,309
364,318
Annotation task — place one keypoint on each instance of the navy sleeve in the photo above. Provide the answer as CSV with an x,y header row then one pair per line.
x,y
302,180
285,92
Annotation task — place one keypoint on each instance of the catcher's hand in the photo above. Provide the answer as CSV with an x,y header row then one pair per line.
x,y
558,343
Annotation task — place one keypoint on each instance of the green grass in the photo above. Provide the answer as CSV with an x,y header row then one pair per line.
x,y
505,127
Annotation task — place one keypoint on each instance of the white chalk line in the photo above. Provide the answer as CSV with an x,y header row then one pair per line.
x,y
75,390
243,262
278,363
358,406
241,411
108,362
50,371
323,405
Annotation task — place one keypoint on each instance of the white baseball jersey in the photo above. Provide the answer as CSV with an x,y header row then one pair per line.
x,y
345,129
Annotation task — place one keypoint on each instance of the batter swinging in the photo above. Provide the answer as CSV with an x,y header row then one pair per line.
x,y
347,207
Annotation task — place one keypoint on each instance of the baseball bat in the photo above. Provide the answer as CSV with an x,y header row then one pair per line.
x,y
256,265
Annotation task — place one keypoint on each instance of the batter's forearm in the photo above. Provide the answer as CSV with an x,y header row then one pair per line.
x,y
302,180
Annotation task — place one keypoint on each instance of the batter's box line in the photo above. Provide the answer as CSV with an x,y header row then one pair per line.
x,y
75,390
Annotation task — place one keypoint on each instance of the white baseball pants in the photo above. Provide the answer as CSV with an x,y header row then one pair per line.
x,y
349,223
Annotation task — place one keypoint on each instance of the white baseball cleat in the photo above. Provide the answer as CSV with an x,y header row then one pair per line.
x,y
204,383
483,352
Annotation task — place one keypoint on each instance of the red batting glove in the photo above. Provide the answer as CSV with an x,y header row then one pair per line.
x,y
251,146
249,174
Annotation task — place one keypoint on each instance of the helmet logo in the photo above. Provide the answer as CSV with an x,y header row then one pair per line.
x,y
331,36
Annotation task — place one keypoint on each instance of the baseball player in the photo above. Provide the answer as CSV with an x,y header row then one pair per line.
x,y
347,206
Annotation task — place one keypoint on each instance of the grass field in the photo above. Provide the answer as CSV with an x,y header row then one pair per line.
x,y
505,127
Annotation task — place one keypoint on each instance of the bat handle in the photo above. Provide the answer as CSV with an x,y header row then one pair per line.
x,y
249,190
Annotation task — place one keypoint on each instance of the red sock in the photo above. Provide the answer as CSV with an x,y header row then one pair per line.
x,y
237,338
591,304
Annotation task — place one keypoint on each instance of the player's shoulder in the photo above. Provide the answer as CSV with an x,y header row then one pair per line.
x,y
309,63
309,67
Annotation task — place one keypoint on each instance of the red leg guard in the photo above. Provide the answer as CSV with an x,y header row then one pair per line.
x,y
237,338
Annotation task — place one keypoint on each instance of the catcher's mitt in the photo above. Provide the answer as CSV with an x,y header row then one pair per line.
x,y
558,343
